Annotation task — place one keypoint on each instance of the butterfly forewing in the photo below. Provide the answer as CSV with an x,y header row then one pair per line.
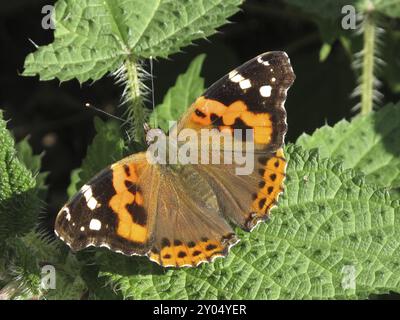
x,y
250,97
113,210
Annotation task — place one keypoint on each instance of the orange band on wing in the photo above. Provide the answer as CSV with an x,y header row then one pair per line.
x,y
127,196
208,112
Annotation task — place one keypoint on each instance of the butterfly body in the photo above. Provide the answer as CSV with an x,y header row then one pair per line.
x,y
181,213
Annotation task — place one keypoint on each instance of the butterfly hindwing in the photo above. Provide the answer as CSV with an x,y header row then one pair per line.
x,y
247,199
190,228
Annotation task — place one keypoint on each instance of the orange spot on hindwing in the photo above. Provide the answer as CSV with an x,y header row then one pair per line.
x,y
270,186
179,253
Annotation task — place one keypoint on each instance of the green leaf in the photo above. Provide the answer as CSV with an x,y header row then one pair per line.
x,y
187,88
325,51
107,147
328,227
19,201
94,37
33,163
75,182
26,156
368,143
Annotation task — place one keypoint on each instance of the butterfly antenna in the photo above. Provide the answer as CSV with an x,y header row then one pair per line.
x,y
90,106
34,44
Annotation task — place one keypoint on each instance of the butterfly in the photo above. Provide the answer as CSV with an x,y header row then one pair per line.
x,y
183,215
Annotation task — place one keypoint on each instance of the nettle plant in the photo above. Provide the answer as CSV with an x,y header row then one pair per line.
x,y
336,231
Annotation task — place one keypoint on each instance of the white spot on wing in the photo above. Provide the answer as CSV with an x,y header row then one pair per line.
x,y
265,91
245,84
90,200
260,60
84,188
87,192
92,203
95,224
82,228
237,78
68,214
232,74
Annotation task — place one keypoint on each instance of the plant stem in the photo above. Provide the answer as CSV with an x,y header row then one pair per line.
x,y
367,77
136,112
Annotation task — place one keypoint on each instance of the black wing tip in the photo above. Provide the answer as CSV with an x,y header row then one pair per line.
x,y
281,58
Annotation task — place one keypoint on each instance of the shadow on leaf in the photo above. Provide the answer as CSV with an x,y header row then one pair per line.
x,y
119,264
